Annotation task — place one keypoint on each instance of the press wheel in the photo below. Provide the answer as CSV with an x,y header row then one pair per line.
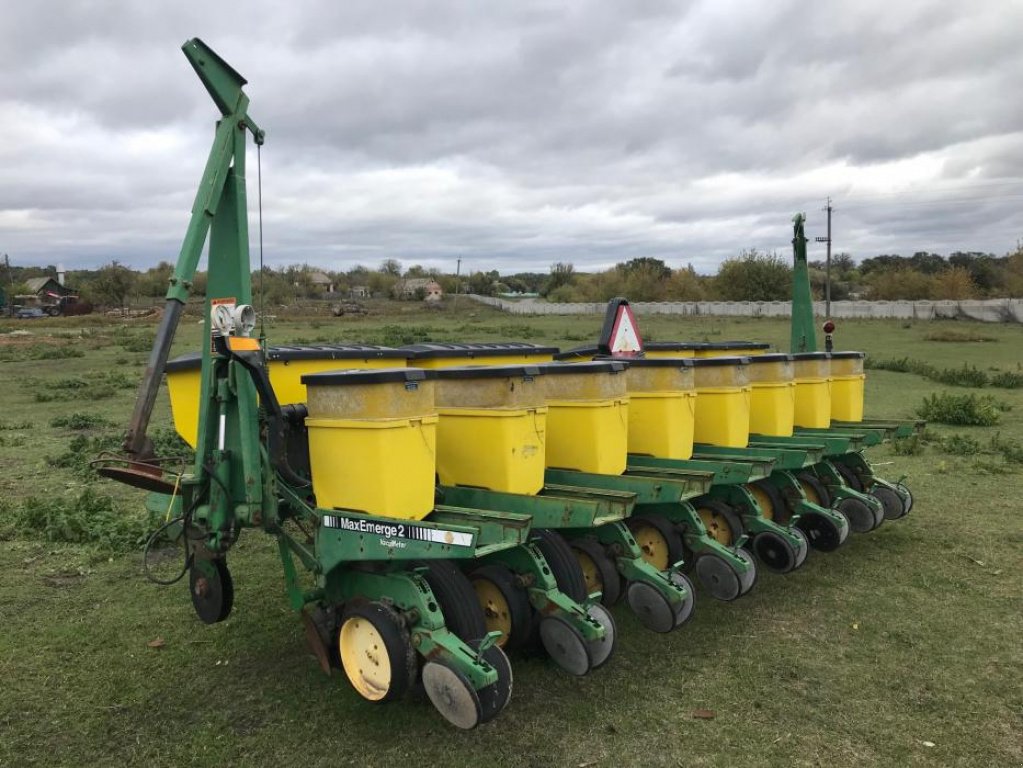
x,y
907,497
505,605
565,645
775,552
211,588
717,578
823,533
684,612
452,695
601,650
375,650
651,607
658,539
890,501
723,524
859,514
494,698
599,571
749,578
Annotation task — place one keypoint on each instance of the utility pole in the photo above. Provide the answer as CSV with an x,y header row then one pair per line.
x,y
827,264
458,277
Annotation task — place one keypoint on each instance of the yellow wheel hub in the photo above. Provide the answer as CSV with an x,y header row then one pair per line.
x,y
811,493
591,573
655,548
365,658
717,526
496,612
763,500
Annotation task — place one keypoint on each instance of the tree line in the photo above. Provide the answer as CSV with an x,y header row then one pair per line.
x,y
751,275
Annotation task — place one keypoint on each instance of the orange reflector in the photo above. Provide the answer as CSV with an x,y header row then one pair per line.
x,y
242,344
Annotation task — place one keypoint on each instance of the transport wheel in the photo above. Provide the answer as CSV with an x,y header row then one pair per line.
x,y
749,578
463,614
651,607
771,502
850,477
659,540
722,523
565,645
823,533
814,490
717,578
858,513
907,497
775,552
212,589
452,695
375,650
599,570
562,562
685,611
505,605
494,698
601,650
890,501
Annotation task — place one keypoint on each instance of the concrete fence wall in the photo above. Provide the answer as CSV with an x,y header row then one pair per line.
x,y
987,310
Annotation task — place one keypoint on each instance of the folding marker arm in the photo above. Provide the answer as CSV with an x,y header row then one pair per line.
x,y
225,88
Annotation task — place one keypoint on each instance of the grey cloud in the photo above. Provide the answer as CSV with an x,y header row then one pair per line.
x,y
516,134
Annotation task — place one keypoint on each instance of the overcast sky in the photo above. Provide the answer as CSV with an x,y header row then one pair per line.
x,y
516,134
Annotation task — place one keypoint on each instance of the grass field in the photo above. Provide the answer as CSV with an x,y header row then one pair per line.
x,y
903,648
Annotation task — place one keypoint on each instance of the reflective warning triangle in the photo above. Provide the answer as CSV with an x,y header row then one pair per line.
x,y
624,340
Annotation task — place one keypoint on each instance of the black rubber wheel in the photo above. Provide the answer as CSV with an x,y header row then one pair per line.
x,y
775,552
360,646
717,578
907,497
749,579
599,571
850,477
659,540
457,599
722,522
212,589
859,514
890,500
505,605
823,533
780,511
813,485
562,562
494,698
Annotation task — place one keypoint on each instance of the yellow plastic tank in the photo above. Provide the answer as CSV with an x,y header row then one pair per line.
x,y
662,407
773,403
813,390
847,385
286,366
673,349
492,428
587,416
723,401
732,348
373,441
438,355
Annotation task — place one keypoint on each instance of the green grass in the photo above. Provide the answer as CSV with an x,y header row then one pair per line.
x,y
905,636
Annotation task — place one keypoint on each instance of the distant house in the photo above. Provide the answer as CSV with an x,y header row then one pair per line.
x,y
47,289
321,282
413,287
359,292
